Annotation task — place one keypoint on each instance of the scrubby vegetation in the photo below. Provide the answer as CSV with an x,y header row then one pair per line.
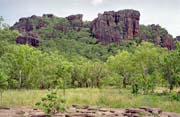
x,y
75,60
106,97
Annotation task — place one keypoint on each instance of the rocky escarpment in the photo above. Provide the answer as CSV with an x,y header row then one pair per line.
x,y
113,26
29,24
108,27
158,35
35,23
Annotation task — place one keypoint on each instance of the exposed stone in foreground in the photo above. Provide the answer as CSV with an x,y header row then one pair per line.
x,y
89,111
113,26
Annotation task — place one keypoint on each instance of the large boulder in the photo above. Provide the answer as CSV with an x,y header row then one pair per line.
x,y
113,26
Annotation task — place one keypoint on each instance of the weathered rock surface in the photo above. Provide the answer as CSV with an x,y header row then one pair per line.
x,y
158,35
34,22
178,38
29,24
87,111
62,28
108,27
113,26
27,40
75,21
168,42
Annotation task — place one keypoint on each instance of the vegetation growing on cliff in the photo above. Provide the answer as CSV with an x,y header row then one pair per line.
x,y
77,60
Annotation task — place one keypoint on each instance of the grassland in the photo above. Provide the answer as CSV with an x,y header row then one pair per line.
x,y
91,96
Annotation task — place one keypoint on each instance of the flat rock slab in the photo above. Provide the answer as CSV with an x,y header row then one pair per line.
x,y
89,111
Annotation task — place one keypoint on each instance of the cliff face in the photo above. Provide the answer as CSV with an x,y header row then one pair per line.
x,y
157,35
113,26
30,25
108,27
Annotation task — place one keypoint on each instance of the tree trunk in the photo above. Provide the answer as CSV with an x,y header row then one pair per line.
x,y
124,82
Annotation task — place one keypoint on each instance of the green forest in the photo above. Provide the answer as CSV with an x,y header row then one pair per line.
x,y
79,61
76,60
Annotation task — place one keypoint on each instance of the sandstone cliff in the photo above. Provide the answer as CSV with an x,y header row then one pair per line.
x,y
108,27
30,25
157,35
113,26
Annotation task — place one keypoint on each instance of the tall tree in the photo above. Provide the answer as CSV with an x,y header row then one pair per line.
x,y
171,67
121,64
145,60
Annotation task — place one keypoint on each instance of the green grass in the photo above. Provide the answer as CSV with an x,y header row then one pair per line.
x,y
104,97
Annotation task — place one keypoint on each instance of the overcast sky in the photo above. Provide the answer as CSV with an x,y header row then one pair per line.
x,y
163,12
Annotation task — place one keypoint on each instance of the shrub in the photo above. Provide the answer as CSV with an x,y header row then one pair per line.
x,y
52,103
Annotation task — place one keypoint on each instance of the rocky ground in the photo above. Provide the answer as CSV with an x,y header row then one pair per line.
x,y
89,111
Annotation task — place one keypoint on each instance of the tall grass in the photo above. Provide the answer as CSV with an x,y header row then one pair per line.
x,y
92,96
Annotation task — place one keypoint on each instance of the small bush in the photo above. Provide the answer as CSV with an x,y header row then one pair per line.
x,y
135,89
175,96
52,103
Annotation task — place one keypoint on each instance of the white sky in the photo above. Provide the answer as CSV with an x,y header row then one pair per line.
x,y
163,12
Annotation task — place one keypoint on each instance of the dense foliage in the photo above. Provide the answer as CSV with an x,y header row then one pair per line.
x,y
77,60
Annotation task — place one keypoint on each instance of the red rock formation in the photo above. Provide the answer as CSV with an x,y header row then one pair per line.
x,y
108,27
113,26
27,24
158,35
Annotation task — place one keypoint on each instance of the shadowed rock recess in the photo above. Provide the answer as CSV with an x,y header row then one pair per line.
x,y
27,40
107,28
